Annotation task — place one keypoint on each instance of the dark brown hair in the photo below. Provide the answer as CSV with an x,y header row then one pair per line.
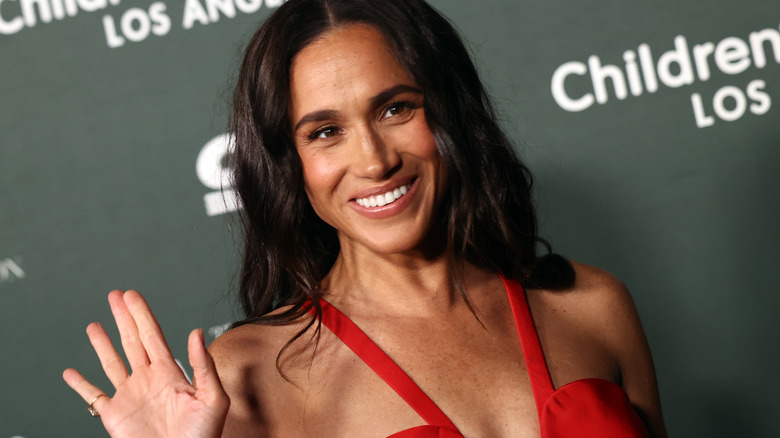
x,y
488,215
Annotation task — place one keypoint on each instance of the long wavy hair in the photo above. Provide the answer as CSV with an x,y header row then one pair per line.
x,y
488,212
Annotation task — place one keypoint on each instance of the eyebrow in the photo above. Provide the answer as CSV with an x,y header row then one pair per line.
x,y
380,98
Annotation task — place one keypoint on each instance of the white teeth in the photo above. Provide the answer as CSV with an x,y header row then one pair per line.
x,y
387,198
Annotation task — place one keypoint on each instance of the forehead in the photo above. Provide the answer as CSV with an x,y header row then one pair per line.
x,y
349,62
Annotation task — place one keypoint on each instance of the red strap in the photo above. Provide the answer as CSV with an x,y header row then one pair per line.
x,y
529,339
382,364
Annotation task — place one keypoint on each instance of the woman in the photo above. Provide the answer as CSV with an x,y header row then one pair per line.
x,y
382,201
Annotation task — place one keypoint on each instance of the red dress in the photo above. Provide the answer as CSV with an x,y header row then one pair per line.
x,y
584,408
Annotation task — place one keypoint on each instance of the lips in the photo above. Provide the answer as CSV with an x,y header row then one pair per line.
x,y
386,201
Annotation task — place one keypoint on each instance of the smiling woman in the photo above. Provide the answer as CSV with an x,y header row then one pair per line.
x,y
361,134
391,281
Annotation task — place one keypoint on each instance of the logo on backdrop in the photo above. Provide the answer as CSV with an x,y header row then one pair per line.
x,y
11,270
681,66
213,170
134,24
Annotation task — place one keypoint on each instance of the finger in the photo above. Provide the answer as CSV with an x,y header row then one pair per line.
x,y
110,360
128,331
148,328
89,392
204,372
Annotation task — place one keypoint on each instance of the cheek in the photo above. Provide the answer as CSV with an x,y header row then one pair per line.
x,y
418,139
427,150
320,176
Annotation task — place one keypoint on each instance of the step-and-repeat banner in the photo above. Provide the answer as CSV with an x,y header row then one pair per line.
x,y
653,129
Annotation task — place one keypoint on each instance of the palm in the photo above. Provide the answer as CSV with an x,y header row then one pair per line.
x,y
156,400
153,405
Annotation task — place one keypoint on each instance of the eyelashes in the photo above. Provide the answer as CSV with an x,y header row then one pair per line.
x,y
323,133
397,108
396,112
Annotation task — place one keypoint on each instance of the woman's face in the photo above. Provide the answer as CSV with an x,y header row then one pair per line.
x,y
370,164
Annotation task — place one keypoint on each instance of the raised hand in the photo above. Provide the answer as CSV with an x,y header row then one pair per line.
x,y
155,400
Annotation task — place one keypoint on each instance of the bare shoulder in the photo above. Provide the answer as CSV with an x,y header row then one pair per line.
x,y
595,302
246,361
243,342
254,345
600,306
597,285
604,303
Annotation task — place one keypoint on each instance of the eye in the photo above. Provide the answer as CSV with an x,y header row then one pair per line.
x,y
323,133
396,109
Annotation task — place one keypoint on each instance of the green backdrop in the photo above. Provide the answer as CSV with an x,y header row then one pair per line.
x,y
652,129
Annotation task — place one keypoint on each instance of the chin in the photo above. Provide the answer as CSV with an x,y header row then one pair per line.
x,y
422,244
393,246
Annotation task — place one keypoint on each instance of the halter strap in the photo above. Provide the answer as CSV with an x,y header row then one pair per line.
x,y
382,365
541,383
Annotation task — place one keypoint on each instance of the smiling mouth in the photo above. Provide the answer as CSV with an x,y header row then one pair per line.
x,y
384,199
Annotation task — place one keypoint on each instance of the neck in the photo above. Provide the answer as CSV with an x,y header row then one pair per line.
x,y
418,283
416,279
392,280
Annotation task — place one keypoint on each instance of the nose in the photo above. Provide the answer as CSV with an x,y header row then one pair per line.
x,y
374,158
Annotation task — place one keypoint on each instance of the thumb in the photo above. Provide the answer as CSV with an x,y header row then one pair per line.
x,y
204,373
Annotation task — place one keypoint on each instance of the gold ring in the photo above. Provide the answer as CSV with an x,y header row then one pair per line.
x,y
91,408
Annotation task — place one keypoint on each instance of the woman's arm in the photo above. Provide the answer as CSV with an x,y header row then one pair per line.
x,y
241,361
619,326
